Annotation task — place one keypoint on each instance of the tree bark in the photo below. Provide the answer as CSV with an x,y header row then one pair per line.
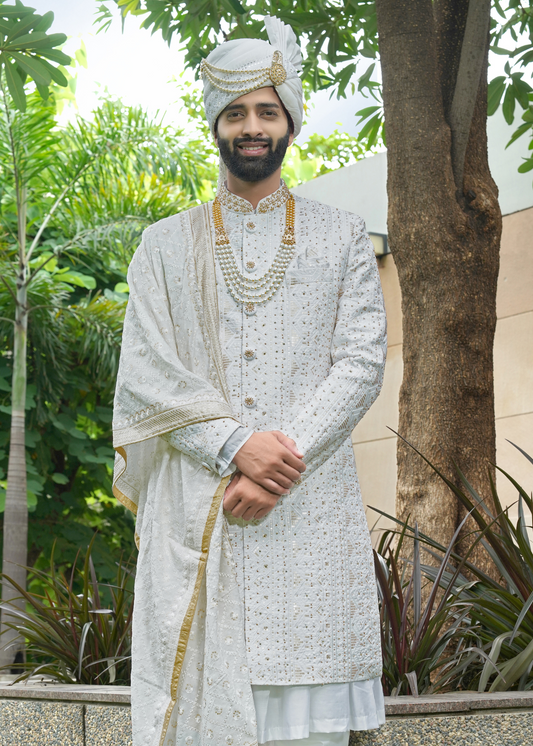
x,y
445,239
16,509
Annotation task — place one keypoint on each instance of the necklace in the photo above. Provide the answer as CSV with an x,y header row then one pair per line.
x,y
245,290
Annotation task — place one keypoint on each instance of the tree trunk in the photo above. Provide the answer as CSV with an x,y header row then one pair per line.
x,y
444,232
16,509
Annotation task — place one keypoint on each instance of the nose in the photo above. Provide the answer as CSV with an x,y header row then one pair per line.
x,y
252,125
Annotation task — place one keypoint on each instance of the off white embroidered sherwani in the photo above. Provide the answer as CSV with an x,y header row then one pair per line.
x,y
305,571
309,363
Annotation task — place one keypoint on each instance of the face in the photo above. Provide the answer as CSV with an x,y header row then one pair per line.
x,y
253,135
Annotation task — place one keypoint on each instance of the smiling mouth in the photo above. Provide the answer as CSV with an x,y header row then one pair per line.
x,y
253,148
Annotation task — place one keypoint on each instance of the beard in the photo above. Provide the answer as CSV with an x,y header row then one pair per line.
x,y
253,168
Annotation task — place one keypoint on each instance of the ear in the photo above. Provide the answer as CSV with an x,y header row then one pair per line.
x,y
291,138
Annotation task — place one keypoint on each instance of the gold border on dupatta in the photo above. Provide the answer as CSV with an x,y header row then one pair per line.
x,y
189,615
121,497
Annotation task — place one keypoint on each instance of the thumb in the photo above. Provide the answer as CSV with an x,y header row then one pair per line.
x,y
290,444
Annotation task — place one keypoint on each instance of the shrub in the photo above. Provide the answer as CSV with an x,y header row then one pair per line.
x,y
77,638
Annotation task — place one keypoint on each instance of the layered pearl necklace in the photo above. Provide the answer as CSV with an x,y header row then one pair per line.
x,y
245,290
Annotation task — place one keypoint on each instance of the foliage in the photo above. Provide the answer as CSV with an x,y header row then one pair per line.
x,y
78,631
495,649
27,52
415,638
108,179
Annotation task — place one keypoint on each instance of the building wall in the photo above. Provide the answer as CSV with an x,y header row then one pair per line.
x,y
375,444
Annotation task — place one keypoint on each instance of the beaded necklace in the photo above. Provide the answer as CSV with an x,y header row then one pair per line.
x,y
245,290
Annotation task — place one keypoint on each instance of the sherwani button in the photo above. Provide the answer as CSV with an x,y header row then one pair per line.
x,y
249,402
250,265
249,353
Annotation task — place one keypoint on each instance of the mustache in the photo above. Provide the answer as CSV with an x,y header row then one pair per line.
x,y
252,141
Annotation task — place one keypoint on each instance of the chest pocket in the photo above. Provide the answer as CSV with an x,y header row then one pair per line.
x,y
308,275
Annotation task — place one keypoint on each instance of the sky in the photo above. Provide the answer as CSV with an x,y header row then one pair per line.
x,y
139,68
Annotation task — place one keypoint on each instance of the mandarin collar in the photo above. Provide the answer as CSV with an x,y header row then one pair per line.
x,y
267,204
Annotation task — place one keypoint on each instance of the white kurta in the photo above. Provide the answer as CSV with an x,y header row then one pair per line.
x,y
309,363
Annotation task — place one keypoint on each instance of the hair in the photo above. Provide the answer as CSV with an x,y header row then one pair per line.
x,y
289,118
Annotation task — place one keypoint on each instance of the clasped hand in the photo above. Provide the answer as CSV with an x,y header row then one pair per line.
x,y
268,466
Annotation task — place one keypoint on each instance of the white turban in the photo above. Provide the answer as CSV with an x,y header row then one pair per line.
x,y
238,67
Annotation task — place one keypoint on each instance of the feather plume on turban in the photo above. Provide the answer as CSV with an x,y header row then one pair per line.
x,y
243,65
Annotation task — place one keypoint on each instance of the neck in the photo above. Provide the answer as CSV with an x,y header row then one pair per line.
x,y
254,192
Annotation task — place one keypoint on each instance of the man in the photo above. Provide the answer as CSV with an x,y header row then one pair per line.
x,y
254,342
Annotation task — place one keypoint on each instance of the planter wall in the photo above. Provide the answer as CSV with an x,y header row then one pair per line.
x,y
57,715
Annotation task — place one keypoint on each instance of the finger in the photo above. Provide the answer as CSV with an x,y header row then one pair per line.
x,y
262,513
295,463
280,478
238,510
249,514
274,487
230,501
286,473
289,443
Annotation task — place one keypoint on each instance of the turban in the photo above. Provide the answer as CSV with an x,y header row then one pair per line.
x,y
243,65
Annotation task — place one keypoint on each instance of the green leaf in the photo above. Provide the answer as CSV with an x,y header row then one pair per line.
x,y
44,91
122,287
237,7
14,84
366,112
76,278
496,90
59,478
34,67
526,166
509,105
5,26
41,41
24,25
56,55
46,21
56,74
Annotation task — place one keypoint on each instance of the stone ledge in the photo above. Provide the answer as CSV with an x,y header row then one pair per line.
x,y
394,706
457,702
119,695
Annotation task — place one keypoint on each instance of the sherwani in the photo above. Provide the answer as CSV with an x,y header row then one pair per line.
x,y
310,363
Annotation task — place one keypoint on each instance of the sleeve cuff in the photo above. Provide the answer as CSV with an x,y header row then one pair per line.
x,y
233,444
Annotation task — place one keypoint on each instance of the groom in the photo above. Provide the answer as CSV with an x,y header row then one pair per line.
x,y
255,359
